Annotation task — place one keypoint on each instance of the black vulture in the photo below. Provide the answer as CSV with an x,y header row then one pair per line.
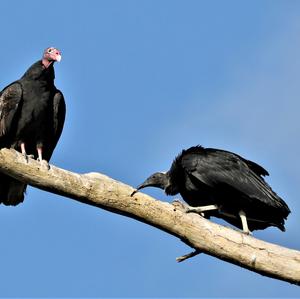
x,y
222,184
32,114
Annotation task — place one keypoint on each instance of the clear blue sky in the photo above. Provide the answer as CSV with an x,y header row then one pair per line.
x,y
143,80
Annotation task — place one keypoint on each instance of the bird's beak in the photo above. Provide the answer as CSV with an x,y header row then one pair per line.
x,y
58,58
141,186
135,191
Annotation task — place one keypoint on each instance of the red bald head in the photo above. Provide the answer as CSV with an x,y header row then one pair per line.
x,y
51,55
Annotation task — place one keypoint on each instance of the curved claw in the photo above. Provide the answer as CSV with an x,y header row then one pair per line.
x,y
44,164
27,157
23,151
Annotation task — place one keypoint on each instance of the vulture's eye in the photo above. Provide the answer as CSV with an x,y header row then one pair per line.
x,y
50,50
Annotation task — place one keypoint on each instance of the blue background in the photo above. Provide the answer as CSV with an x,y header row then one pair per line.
x,y
143,80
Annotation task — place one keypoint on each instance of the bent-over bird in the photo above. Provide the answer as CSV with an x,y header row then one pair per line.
x,y
32,114
222,184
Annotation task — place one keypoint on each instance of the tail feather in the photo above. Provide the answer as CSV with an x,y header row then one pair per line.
x,y
11,191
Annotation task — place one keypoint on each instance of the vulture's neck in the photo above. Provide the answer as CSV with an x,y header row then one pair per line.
x,y
39,72
46,63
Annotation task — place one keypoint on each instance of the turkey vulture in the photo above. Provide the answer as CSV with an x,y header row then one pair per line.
x,y
32,114
223,184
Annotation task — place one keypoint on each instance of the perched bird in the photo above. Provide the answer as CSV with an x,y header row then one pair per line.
x,y
32,114
223,184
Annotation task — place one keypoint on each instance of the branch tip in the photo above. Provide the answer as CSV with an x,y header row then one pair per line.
x,y
187,256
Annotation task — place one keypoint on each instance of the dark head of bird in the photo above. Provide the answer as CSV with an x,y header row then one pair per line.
x,y
157,179
51,55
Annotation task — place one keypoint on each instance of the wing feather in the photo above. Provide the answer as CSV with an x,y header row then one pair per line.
x,y
57,123
220,169
59,109
10,98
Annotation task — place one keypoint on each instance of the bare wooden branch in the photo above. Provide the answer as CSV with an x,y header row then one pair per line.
x,y
187,256
201,234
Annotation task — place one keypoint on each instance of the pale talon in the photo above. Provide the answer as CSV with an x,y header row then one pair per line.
x,y
179,204
25,157
44,164
23,151
244,223
200,210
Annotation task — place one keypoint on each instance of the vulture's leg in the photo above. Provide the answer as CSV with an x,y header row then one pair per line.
x,y
201,210
244,222
23,151
44,163
177,203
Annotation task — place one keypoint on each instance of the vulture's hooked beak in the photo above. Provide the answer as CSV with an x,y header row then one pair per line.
x,y
147,183
137,189
157,180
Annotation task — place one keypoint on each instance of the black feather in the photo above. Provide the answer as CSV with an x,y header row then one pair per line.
x,y
207,176
32,111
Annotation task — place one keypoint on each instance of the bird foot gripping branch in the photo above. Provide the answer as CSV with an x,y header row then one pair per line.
x,y
180,205
44,164
27,157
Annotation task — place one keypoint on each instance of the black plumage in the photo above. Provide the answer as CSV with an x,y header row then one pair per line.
x,y
228,185
32,114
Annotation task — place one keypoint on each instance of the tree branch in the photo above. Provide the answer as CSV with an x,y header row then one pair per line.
x,y
201,234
